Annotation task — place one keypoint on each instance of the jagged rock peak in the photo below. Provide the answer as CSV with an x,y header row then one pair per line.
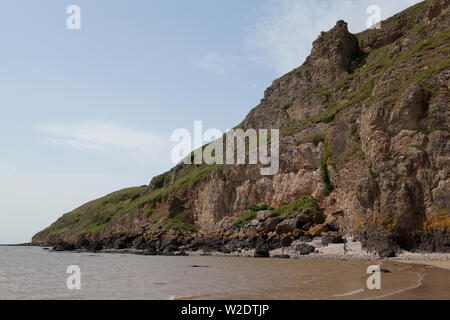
x,y
333,52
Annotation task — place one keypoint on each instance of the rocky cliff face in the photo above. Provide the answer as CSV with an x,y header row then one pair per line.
x,y
364,145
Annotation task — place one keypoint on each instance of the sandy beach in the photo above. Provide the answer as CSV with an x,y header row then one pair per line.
x,y
355,252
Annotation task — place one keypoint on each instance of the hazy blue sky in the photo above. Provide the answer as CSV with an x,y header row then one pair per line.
x,y
86,112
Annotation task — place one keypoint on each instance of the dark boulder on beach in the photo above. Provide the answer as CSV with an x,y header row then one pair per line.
x,y
150,252
64,247
95,246
120,244
286,241
306,249
386,253
331,237
262,252
305,239
138,243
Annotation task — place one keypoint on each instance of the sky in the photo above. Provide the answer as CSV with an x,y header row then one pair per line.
x,y
87,112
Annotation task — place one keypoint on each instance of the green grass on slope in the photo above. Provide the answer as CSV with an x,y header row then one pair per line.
x,y
304,203
94,216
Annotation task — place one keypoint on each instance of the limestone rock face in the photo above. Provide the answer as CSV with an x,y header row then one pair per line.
x,y
364,130
332,54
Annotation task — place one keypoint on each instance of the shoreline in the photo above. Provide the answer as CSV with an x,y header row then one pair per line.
x,y
329,252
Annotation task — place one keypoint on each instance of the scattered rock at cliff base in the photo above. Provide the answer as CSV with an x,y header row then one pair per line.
x,y
331,237
271,224
263,215
286,241
305,249
286,226
150,252
95,246
262,252
120,244
284,256
386,253
64,247
305,239
318,230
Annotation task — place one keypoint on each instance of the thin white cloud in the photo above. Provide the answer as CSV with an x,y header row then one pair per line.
x,y
212,61
285,29
221,65
104,136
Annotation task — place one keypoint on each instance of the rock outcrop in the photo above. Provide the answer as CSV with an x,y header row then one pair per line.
x,y
364,151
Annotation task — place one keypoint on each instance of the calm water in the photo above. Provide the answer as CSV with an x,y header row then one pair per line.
x,y
34,273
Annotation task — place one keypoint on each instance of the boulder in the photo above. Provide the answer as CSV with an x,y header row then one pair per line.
x,y
262,252
120,244
297,233
305,239
171,248
307,226
95,246
150,252
82,244
138,243
263,215
225,250
317,230
169,241
196,244
64,246
386,253
271,224
284,256
251,242
331,237
286,226
303,218
286,241
305,249
235,244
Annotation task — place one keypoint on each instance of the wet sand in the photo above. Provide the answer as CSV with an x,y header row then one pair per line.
x,y
346,280
435,263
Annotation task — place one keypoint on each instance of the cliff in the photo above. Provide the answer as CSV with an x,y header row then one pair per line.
x,y
364,152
